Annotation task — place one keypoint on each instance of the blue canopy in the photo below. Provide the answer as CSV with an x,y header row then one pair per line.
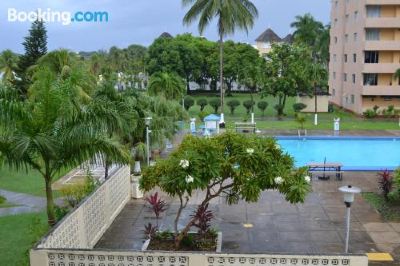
x,y
212,117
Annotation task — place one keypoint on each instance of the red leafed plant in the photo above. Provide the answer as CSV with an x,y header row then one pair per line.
x,y
385,183
203,217
157,205
150,231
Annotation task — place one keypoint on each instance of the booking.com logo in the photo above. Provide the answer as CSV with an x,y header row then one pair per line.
x,y
64,17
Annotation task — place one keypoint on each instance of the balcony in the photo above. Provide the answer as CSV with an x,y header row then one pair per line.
x,y
381,90
380,68
382,45
382,22
382,2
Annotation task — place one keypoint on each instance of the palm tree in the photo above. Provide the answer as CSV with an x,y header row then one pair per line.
x,y
307,29
231,14
8,64
168,84
50,131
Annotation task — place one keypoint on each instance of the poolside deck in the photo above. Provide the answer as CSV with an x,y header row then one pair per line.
x,y
273,225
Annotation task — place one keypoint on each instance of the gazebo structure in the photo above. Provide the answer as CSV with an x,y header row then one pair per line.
x,y
211,124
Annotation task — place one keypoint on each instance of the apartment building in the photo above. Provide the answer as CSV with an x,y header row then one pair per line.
x,y
365,53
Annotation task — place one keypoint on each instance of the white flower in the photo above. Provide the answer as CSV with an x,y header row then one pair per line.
x,y
278,180
184,164
189,179
307,179
277,146
250,151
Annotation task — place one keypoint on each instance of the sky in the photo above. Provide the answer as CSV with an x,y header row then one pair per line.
x,y
141,21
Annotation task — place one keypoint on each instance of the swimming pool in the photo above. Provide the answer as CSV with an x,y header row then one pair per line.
x,y
355,153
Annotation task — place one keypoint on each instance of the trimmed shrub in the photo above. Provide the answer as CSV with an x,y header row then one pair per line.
x,y
233,104
262,105
189,102
202,103
370,113
2,199
248,104
298,107
215,103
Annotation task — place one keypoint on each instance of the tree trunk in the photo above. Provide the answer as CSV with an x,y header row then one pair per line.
x,y
221,70
50,202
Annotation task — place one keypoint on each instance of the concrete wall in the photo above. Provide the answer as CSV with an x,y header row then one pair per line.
x,y
322,103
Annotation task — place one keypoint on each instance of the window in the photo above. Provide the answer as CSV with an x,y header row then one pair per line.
x,y
334,75
352,99
344,76
370,79
335,39
336,3
353,78
334,58
333,92
373,11
355,35
372,34
335,23
346,37
354,58
355,15
371,57
345,58
347,18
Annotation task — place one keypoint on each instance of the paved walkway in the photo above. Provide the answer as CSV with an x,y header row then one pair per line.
x,y
273,225
24,203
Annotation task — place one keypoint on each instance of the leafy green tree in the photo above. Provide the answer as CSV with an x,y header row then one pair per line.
x,y
288,73
170,85
8,65
237,166
233,104
215,103
397,75
202,103
188,103
262,105
35,46
48,131
248,104
230,15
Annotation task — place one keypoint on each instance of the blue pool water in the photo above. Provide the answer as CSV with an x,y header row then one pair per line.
x,y
353,152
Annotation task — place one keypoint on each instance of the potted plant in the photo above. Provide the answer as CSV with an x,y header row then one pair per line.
x,y
138,154
236,166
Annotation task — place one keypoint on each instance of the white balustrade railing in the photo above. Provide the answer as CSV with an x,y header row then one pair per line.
x,y
84,226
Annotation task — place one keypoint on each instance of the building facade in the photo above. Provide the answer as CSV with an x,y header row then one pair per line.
x,y
267,38
365,54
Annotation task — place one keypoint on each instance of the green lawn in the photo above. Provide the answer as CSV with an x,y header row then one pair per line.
x,y
349,121
18,233
389,210
30,182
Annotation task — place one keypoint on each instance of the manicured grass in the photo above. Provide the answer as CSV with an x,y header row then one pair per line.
x,y
30,182
389,210
18,234
270,121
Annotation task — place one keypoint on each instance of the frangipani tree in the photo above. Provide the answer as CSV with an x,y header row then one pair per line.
x,y
231,165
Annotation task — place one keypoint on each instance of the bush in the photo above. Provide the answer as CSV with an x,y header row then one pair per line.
x,y
202,103
395,193
262,105
189,102
60,212
376,108
74,194
215,103
233,104
2,199
248,104
203,114
369,113
331,108
385,183
389,112
298,107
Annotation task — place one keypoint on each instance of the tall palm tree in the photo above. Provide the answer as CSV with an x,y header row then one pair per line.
x,y
50,131
231,14
307,29
8,64
168,84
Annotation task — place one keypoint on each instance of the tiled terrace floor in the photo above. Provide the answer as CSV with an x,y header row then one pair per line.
x,y
317,226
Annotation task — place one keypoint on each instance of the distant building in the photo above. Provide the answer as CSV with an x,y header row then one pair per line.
x,y
365,52
267,38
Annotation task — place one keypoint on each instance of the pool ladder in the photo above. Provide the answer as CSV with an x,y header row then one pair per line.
x,y
299,132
